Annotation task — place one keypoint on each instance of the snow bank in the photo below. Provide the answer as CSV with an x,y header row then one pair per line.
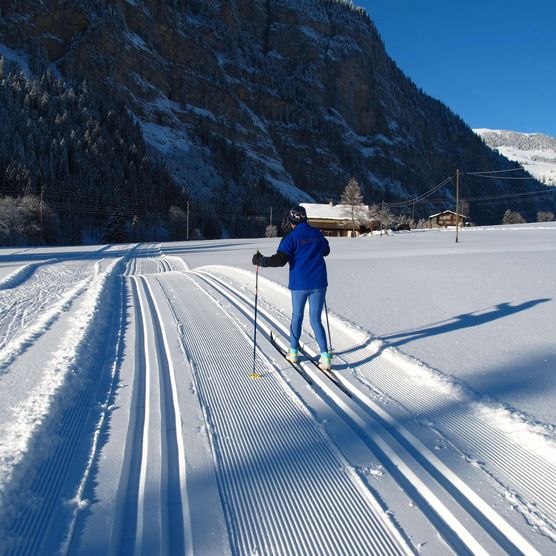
x,y
18,276
22,450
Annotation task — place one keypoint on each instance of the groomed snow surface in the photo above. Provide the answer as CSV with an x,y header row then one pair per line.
x,y
130,422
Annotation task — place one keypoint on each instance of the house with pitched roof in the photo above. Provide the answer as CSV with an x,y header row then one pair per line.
x,y
335,220
445,219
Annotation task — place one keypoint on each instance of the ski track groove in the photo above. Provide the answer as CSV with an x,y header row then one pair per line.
x,y
172,468
145,464
317,487
134,439
454,531
372,380
161,515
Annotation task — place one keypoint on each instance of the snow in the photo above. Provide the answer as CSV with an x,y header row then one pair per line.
x,y
130,424
329,211
18,59
535,152
137,41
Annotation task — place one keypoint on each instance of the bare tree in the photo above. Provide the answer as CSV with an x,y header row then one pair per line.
x,y
463,208
545,216
513,218
352,199
271,231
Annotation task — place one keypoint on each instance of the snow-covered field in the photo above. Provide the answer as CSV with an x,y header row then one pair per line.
x,y
130,423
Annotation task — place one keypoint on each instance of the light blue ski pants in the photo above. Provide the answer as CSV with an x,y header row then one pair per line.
x,y
316,303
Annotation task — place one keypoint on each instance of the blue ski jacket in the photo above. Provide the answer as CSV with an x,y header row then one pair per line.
x,y
306,248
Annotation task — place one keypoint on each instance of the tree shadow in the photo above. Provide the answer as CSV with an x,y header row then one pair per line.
x,y
47,256
466,320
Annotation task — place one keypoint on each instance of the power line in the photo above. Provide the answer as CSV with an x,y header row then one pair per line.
x,y
479,174
422,196
498,177
91,204
504,196
492,171
510,196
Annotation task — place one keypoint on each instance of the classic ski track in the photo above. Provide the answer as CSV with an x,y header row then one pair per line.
x,y
157,469
52,484
497,528
531,474
274,503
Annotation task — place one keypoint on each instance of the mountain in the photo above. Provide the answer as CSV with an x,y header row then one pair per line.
x,y
255,104
535,152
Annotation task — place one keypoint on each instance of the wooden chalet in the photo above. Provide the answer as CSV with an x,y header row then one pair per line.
x,y
334,220
445,219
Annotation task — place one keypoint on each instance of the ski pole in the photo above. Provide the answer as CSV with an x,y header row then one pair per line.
x,y
255,374
328,326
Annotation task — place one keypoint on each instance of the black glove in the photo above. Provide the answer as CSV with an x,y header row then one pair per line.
x,y
258,259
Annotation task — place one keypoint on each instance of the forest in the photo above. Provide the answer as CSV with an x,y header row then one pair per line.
x,y
74,168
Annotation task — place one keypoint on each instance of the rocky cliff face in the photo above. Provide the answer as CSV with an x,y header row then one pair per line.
x,y
249,98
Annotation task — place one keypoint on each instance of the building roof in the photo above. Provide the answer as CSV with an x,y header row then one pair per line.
x,y
446,212
328,211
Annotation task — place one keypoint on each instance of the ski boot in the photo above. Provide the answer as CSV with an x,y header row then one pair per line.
x,y
293,355
324,362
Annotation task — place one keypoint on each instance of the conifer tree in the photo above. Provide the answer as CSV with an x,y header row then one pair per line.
x,y
82,155
116,231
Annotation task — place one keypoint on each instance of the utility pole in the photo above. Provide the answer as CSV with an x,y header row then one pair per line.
x,y
270,221
457,206
42,208
187,220
381,216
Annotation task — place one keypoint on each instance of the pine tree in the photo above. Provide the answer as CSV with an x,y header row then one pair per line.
x,y
116,231
86,157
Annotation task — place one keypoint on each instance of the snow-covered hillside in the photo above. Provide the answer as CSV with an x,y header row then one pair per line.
x,y
535,152
130,423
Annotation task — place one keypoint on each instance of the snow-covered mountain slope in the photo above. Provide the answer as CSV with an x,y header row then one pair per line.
x,y
535,152
130,423
254,102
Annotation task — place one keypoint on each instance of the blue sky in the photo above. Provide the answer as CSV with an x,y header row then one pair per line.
x,y
493,62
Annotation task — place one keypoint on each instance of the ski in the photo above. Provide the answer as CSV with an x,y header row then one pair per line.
x,y
296,366
328,374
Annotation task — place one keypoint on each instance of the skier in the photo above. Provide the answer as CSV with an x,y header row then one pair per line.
x,y
304,248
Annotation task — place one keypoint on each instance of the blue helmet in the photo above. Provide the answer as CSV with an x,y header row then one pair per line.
x,y
297,214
